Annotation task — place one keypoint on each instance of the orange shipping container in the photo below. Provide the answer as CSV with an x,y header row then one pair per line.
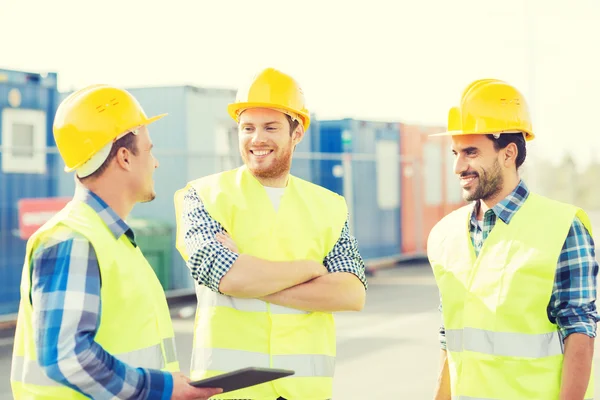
x,y
429,187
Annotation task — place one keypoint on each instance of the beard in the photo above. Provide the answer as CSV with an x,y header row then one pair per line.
x,y
489,183
148,197
279,163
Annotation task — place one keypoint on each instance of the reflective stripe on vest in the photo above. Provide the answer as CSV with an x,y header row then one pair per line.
x,y
30,371
170,352
305,365
251,305
508,344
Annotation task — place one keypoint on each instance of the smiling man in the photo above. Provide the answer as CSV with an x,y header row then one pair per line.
x,y
271,254
516,271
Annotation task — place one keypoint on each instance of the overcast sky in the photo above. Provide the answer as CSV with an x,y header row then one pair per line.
x,y
385,60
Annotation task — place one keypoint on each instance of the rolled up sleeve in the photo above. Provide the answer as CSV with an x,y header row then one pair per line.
x,y
572,306
208,259
345,256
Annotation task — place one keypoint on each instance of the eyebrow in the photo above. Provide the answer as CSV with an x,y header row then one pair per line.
x,y
266,123
467,149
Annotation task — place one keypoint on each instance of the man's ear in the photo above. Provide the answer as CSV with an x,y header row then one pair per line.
x,y
123,158
510,154
298,134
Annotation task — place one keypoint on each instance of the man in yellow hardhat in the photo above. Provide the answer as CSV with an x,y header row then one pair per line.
x,y
93,319
271,254
516,271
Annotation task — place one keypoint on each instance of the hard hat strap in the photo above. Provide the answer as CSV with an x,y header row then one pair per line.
x,y
98,159
95,162
497,134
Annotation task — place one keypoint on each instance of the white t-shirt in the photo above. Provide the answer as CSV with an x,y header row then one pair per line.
x,y
275,195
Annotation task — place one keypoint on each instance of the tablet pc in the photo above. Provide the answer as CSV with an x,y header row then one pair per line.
x,y
242,378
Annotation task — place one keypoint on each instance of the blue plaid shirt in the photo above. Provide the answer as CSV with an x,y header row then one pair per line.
x,y
572,303
209,260
66,314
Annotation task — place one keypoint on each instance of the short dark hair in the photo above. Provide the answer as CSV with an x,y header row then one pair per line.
x,y
507,138
129,141
293,123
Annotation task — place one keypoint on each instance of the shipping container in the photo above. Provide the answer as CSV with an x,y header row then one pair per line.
x,y
302,160
28,103
196,139
430,189
359,160
452,188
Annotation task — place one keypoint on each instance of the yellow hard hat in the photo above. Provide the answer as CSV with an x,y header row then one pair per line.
x,y
489,106
93,117
273,89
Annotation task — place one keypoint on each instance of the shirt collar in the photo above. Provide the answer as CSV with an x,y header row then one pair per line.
x,y
507,207
115,224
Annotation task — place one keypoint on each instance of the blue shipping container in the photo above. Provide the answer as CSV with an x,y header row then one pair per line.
x,y
28,103
302,162
373,193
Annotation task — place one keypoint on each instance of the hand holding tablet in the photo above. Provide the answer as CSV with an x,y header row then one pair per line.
x,y
242,378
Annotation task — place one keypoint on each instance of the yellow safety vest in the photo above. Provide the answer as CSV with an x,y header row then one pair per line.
x,y
500,343
135,324
232,333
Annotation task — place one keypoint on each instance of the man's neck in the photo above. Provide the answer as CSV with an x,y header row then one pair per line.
x,y
279,182
509,186
116,198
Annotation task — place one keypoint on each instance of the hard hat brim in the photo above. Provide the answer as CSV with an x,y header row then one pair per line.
x,y
234,108
144,122
528,135
154,119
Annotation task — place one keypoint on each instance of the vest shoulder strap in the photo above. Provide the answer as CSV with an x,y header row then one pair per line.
x,y
555,207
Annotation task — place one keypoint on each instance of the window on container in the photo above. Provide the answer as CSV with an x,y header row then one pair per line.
x,y
388,174
432,160
23,141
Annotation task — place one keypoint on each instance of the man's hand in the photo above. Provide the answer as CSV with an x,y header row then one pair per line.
x,y
442,389
256,277
182,390
333,292
227,241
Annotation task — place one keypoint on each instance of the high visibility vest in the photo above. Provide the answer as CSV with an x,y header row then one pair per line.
x,y
232,333
135,324
500,343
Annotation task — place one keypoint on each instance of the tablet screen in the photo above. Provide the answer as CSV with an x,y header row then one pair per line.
x,y
242,378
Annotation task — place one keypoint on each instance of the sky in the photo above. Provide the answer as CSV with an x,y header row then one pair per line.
x,y
381,60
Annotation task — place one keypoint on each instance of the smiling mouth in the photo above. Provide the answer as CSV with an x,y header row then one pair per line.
x,y
261,153
466,180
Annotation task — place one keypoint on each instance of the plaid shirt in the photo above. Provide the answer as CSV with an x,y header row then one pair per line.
x,y
209,260
66,302
572,303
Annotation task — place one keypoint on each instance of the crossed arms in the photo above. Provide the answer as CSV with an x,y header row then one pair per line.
x,y
339,284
